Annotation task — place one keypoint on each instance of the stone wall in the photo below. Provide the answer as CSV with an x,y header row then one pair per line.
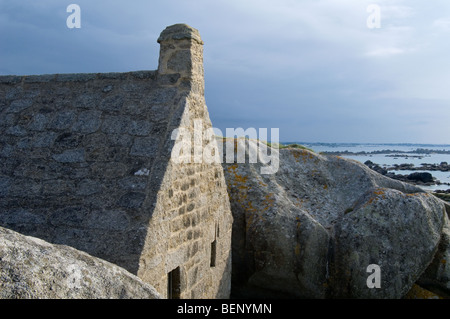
x,y
86,162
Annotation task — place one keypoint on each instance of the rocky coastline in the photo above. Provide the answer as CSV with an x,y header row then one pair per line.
x,y
421,175
417,178
420,178
417,153
442,167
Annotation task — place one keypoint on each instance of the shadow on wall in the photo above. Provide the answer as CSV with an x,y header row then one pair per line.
x,y
78,159
85,161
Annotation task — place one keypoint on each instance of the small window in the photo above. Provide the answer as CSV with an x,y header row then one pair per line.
x,y
174,284
213,253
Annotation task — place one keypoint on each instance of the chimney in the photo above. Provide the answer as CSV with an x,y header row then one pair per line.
x,y
181,52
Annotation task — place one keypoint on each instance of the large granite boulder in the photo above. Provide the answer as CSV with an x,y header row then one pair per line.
x,y
437,276
31,268
327,227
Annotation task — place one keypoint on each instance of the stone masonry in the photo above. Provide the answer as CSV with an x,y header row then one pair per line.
x,y
86,162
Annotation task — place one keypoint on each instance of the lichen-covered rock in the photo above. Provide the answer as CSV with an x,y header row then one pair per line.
x,y
418,292
398,232
31,268
437,276
312,228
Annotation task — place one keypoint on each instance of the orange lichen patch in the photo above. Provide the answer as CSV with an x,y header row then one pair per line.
x,y
268,201
297,249
239,182
299,202
301,154
378,193
411,194
371,200
262,183
254,216
238,190
298,222
417,194
238,178
418,292
249,206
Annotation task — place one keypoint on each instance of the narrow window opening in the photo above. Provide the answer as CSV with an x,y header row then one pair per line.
x,y
214,246
174,284
213,253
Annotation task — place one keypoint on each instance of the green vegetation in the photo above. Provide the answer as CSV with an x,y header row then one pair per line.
x,y
281,146
275,145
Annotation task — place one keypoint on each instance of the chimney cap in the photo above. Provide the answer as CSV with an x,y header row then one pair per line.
x,y
180,31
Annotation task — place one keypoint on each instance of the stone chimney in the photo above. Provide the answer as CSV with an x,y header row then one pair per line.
x,y
181,52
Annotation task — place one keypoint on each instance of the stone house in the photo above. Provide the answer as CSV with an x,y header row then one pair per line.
x,y
87,161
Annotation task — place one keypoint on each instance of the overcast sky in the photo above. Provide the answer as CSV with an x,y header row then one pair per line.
x,y
312,68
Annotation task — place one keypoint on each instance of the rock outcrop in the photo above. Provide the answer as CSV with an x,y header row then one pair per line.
x,y
316,227
437,275
31,268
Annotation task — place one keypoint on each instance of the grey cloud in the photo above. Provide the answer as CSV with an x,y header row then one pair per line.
x,y
311,68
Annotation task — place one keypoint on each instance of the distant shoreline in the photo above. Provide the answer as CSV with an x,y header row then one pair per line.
x,y
421,151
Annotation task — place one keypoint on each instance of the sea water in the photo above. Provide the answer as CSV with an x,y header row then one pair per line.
x,y
387,157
